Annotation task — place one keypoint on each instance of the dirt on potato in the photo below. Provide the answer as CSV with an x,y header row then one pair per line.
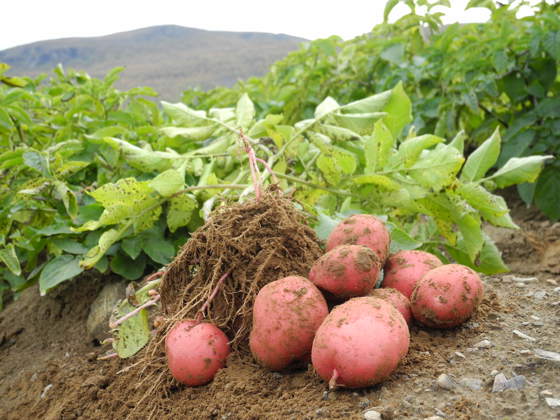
x,y
49,367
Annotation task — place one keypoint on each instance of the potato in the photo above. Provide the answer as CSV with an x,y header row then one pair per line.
x,y
195,351
286,314
360,343
446,296
396,298
346,271
405,268
361,229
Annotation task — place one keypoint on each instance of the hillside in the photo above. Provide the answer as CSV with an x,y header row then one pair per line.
x,y
168,58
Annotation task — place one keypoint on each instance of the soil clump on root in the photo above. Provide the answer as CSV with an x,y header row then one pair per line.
x,y
255,242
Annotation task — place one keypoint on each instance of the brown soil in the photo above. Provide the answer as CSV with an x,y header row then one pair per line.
x,y
48,367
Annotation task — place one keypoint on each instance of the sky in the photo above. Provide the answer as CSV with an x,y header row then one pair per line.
x,y
36,20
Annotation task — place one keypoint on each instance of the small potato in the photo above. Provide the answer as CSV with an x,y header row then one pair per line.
x,y
286,314
404,270
346,271
195,351
360,343
362,229
446,296
396,298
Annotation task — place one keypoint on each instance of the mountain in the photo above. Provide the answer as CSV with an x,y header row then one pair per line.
x,y
168,58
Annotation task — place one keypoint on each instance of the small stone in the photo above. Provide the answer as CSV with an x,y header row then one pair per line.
x,y
494,372
536,318
459,354
546,393
540,294
320,412
440,413
555,303
364,403
484,344
434,418
447,382
34,377
520,285
556,290
525,351
372,415
325,395
45,390
101,308
502,383
523,279
524,336
553,402
471,383
552,282
548,355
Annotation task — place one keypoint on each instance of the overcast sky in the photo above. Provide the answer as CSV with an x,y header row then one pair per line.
x,y
34,20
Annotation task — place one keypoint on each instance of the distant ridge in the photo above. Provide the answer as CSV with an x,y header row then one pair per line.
x,y
169,58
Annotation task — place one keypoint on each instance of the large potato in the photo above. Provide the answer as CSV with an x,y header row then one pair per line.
x,y
286,314
362,229
360,343
404,270
346,271
195,351
446,296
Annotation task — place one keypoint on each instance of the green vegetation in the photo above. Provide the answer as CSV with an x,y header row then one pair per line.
x,y
96,178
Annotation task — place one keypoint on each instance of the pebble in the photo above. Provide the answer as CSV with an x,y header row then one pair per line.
x,y
546,393
434,418
555,303
552,282
502,383
320,412
553,402
372,415
524,336
459,354
525,351
556,290
471,383
45,390
447,382
484,344
540,294
548,355
364,403
523,279
494,372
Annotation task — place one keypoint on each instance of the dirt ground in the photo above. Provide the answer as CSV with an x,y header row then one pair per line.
x,y
49,368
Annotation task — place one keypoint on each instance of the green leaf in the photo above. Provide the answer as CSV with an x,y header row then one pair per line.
x,y
70,246
128,268
335,162
159,249
482,159
58,270
68,198
380,180
189,133
437,168
182,114
180,211
106,240
401,240
518,170
378,147
547,192
9,257
245,111
492,207
373,103
168,183
361,124
458,141
326,225
327,106
390,5
338,133
141,159
472,239
132,246
490,259
410,150
394,54
399,110
36,160
134,333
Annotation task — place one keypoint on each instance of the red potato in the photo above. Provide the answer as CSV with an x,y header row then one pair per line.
x,y
286,314
360,343
404,270
398,300
195,351
346,271
446,296
361,229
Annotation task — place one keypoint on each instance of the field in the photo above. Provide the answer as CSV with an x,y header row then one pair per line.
x,y
51,371
191,208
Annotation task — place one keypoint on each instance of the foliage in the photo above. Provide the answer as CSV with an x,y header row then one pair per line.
x,y
470,77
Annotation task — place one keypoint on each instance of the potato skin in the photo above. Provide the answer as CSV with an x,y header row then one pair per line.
x,y
364,339
404,270
361,229
195,351
396,298
446,296
346,271
286,315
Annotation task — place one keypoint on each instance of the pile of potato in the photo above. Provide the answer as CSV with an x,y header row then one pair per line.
x,y
366,334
